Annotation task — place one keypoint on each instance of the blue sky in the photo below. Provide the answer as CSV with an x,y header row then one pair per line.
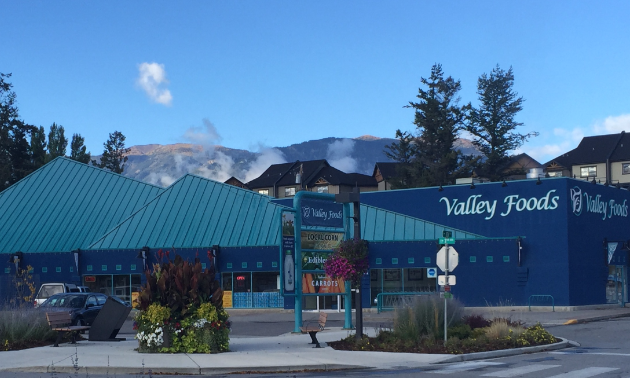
x,y
274,73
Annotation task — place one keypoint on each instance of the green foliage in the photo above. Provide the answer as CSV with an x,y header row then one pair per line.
x,y
19,327
15,153
429,158
38,147
115,154
349,261
57,142
493,123
181,286
462,340
402,152
425,318
182,310
535,335
78,149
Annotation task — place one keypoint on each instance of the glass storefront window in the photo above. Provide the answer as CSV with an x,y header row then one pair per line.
x,y
242,282
226,281
265,281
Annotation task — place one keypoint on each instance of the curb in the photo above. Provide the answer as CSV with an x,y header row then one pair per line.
x,y
182,371
596,319
510,352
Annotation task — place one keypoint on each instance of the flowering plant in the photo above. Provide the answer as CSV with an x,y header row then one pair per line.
x,y
181,310
349,261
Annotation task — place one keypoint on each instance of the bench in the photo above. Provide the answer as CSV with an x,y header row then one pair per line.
x,y
60,322
313,327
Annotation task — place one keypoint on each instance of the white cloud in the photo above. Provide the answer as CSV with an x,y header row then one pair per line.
x,y
206,135
267,157
339,155
574,135
613,124
152,79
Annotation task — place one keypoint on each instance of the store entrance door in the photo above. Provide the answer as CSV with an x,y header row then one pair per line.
x,y
617,286
323,302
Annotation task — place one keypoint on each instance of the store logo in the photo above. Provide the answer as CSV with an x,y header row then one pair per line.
x,y
306,211
576,200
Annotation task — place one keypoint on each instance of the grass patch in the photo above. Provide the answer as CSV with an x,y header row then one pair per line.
x,y
419,328
22,328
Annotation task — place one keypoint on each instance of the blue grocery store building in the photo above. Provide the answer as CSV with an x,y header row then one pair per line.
x,y
557,237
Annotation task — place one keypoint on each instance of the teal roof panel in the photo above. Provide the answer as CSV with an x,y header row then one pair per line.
x,y
197,212
66,205
383,225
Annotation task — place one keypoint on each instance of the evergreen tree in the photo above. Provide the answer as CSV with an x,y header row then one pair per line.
x,y
493,125
438,120
115,154
38,147
15,159
8,117
57,142
403,152
78,149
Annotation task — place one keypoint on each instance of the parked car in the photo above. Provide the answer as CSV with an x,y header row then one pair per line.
x,y
83,307
49,289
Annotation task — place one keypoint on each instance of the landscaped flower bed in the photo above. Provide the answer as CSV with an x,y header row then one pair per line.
x,y
420,329
181,310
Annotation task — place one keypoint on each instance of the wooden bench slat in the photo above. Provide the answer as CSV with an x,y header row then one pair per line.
x,y
312,329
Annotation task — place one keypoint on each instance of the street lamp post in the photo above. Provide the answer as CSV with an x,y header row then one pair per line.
x,y
354,198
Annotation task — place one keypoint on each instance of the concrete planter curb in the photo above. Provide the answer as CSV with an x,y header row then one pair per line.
x,y
510,352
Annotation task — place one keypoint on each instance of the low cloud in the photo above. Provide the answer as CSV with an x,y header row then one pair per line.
x,y
267,156
206,135
339,155
613,124
152,79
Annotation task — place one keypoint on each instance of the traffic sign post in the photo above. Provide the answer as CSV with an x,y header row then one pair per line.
x,y
447,260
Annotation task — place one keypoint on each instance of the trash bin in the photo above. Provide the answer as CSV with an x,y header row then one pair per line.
x,y
109,320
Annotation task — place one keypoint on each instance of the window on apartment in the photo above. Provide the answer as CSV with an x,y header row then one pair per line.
x,y
322,189
289,192
263,191
588,171
555,174
625,168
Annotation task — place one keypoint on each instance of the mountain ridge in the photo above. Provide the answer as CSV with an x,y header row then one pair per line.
x,y
163,164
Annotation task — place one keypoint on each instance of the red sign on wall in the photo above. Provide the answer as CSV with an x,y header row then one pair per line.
x,y
89,279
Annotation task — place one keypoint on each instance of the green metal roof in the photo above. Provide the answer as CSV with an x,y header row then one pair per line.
x,y
383,225
66,205
197,212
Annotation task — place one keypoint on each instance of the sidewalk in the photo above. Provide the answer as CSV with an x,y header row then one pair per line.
x,y
282,353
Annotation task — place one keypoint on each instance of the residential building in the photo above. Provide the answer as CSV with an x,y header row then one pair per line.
x,y
599,158
285,180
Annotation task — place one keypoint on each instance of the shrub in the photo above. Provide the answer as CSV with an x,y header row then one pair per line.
x,y
424,318
535,335
501,329
181,310
476,321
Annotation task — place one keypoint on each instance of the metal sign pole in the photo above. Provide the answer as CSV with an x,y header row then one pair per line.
x,y
445,286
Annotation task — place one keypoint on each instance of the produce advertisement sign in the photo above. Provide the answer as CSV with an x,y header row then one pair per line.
x,y
320,283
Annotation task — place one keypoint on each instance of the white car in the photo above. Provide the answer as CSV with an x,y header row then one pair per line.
x,y
49,289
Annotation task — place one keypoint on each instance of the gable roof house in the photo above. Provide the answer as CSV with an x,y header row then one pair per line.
x,y
284,180
602,158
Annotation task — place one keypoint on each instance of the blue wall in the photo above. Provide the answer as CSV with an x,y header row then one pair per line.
x,y
562,252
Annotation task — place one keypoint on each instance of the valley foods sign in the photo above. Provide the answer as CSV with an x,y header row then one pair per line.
x,y
476,204
583,202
